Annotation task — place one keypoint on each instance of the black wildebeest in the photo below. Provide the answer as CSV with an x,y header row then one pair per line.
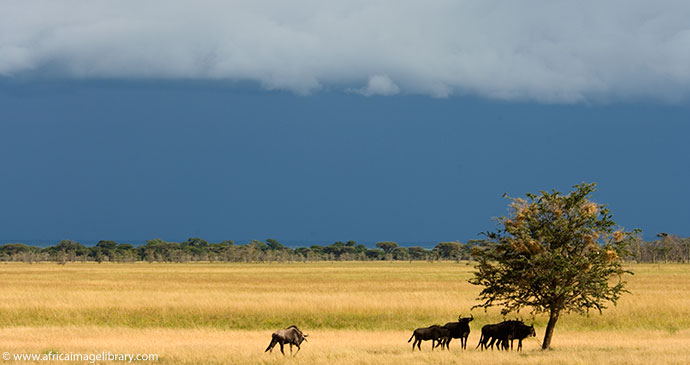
x,y
503,333
520,331
291,335
489,332
459,329
433,333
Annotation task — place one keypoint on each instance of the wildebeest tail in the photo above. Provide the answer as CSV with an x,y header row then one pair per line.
x,y
481,338
270,345
411,337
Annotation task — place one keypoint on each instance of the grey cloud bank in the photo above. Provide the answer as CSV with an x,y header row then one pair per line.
x,y
516,50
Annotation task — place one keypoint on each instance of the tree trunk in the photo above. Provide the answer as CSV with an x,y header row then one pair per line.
x,y
549,329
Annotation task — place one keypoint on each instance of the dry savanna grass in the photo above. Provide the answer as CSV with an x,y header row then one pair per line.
x,y
355,312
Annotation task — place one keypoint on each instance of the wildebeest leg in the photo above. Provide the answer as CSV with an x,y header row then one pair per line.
x,y
441,342
419,344
491,344
281,347
519,348
290,348
447,343
298,348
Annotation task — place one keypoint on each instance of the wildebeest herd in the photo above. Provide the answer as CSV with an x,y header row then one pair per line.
x,y
501,335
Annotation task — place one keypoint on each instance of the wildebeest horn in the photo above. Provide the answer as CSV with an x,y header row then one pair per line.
x,y
305,337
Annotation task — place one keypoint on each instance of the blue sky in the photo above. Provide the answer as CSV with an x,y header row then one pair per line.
x,y
357,122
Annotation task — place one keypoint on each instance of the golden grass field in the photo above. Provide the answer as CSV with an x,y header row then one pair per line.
x,y
354,312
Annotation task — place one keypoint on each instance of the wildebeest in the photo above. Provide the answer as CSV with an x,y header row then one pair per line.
x,y
503,333
489,332
520,332
459,329
291,335
433,333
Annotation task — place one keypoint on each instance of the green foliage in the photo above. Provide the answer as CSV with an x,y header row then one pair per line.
x,y
274,245
449,250
15,248
400,253
417,253
555,253
258,245
375,254
69,246
387,246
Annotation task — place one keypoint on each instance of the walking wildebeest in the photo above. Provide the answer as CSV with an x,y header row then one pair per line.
x,y
460,329
291,335
433,333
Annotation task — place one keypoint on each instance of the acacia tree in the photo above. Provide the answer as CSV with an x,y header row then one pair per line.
x,y
556,253
387,246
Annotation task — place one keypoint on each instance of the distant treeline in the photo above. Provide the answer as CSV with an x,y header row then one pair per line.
x,y
197,249
668,248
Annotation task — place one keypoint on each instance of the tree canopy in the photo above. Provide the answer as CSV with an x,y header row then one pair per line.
x,y
387,246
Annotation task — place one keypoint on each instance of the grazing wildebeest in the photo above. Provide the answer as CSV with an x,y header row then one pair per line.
x,y
433,333
291,335
460,329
